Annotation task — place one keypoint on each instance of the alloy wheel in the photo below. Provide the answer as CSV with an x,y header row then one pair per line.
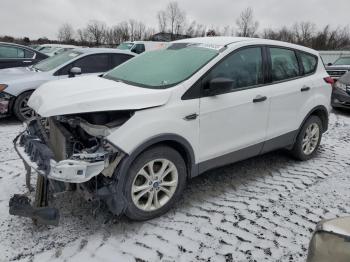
x,y
154,184
311,139
26,112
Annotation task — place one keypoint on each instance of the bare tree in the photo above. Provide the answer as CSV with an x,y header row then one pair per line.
x,y
304,32
140,31
132,29
82,36
96,31
162,21
65,33
247,27
123,31
176,17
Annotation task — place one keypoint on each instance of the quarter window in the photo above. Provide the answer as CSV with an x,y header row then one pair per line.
x,y
284,64
28,54
309,63
243,69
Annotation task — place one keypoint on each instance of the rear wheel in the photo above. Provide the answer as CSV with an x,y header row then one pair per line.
x,y
21,109
308,139
155,182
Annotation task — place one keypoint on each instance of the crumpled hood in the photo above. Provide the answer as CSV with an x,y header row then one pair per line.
x,y
93,94
8,75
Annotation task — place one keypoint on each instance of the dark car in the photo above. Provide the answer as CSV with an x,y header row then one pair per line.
x,y
13,55
341,92
339,68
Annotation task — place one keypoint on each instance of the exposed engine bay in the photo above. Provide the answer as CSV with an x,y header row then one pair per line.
x,y
69,150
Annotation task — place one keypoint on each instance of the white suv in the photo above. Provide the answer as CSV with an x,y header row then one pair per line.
x,y
146,127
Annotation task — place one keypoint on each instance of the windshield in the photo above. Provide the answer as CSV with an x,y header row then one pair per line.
x,y
164,68
55,61
49,49
343,61
125,46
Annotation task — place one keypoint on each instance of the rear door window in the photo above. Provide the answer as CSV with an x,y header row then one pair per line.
x,y
118,59
93,63
309,62
11,52
284,64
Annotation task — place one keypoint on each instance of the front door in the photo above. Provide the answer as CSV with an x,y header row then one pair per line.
x,y
233,121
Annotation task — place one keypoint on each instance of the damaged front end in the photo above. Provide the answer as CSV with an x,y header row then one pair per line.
x,y
68,152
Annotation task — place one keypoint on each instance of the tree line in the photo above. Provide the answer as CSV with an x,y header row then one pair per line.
x,y
173,20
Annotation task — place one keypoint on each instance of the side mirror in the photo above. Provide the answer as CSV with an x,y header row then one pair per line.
x,y
329,64
74,71
330,241
217,86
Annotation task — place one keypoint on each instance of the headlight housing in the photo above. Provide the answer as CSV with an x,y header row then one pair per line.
x,y
341,85
2,87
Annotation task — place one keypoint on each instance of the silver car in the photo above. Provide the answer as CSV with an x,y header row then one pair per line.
x,y
17,84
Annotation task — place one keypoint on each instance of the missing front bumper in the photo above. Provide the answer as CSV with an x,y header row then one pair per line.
x,y
37,155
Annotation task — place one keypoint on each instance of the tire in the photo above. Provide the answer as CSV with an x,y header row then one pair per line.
x,y
157,188
300,151
21,109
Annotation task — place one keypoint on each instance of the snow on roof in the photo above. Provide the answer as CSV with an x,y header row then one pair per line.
x,y
228,40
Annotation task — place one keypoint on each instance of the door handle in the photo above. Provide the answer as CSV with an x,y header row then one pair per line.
x,y
259,99
305,89
27,61
191,117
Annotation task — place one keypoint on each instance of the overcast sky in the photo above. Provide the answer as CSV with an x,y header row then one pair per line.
x,y
37,18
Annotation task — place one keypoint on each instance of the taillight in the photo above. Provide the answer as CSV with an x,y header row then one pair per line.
x,y
329,80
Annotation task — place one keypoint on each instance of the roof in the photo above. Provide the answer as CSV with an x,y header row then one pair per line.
x,y
228,40
18,45
57,45
103,50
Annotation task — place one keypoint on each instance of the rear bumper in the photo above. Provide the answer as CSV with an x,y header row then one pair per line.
x,y
79,169
340,98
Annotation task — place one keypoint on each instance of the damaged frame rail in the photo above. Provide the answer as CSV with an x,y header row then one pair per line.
x,y
37,156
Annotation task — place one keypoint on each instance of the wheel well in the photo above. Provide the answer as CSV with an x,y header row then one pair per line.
x,y
16,97
323,115
181,149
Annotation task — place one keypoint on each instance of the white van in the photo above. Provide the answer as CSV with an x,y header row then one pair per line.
x,y
139,47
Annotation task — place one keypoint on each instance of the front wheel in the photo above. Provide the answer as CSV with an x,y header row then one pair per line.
x,y
155,183
21,109
308,139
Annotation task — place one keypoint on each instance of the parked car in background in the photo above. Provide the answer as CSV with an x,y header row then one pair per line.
x,y
330,241
341,92
144,128
340,67
54,49
139,47
13,55
17,84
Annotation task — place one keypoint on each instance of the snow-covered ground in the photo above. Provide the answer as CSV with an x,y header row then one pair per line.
x,y
262,209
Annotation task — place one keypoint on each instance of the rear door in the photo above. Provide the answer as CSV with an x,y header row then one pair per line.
x,y
13,56
289,93
90,65
236,117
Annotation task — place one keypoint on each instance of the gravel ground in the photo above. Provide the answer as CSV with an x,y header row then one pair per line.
x,y
262,209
